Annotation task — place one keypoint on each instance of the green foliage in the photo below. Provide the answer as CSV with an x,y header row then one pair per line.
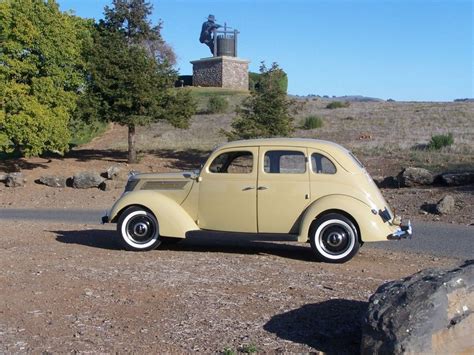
x,y
338,104
249,349
83,132
440,141
266,113
279,76
41,73
217,104
312,122
228,351
131,73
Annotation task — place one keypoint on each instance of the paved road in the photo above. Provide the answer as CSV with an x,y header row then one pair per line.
x,y
431,238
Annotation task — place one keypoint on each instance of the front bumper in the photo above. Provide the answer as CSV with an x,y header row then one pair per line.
x,y
403,232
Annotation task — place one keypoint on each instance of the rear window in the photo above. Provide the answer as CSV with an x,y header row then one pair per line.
x,y
322,165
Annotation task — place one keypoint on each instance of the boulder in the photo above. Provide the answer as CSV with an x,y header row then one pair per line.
x,y
3,177
429,312
53,181
390,182
445,205
410,177
112,172
15,180
86,180
457,179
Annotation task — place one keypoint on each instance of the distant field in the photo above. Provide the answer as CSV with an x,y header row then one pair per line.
x,y
394,132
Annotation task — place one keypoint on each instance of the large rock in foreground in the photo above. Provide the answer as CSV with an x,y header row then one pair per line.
x,y
410,177
429,312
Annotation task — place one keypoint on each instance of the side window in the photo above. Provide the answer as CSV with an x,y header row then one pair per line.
x,y
322,165
284,162
240,162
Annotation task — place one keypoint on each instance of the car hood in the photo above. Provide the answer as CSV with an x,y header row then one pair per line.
x,y
174,185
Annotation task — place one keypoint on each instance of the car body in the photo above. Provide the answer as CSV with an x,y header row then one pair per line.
x,y
314,190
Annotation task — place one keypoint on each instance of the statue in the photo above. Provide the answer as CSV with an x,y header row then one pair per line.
x,y
208,32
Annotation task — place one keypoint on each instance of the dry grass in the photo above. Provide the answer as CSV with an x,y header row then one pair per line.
x,y
390,133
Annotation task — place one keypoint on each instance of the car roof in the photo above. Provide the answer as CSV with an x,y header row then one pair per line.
x,y
290,142
338,152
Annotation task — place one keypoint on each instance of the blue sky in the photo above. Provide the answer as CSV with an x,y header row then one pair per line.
x,y
419,50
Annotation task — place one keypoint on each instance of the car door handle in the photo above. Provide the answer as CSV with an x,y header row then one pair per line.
x,y
262,188
248,188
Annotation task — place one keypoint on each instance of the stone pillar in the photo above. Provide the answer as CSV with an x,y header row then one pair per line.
x,y
223,72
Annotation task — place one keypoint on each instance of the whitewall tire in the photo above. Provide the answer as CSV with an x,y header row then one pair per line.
x,y
138,229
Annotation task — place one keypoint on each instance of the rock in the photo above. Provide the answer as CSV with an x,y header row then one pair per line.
x,y
388,182
53,181
457,179
431,311
410,177
109,185
112,172
3,177
445,205
15,180
85,180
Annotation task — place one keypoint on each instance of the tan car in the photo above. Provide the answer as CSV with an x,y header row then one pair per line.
x,y
314,190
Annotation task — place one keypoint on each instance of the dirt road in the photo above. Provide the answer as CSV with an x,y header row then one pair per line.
x,y
67,287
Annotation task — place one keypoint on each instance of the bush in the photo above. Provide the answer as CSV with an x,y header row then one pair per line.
x,y
439,141
217,104
312,122
279,76
338,104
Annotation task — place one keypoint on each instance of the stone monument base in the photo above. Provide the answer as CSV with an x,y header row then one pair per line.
x,y
222,72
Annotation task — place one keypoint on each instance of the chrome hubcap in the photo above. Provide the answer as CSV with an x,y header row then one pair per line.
x,y
140,229
335,239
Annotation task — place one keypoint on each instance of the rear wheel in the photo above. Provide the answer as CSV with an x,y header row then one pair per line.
x,y
334,238
138,229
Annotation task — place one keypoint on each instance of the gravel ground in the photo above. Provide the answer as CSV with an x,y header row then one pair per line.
x,y
69,288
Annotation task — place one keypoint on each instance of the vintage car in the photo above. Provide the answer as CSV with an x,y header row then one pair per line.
x,y
314,190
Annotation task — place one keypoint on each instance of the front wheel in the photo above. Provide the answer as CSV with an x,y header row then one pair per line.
x,y
334,238
138,229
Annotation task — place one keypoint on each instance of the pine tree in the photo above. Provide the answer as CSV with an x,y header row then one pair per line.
x,y
266,113
132,74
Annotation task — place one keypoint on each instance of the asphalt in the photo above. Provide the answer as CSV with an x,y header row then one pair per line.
x,y
438,239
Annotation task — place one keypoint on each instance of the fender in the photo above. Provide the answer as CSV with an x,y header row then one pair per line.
x,y
172,218
371,227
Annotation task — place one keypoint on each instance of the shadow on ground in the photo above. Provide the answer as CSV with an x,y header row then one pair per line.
x,y
333,327
209,242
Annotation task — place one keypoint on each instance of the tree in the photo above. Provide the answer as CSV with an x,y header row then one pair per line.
x,y
41,73
132,77
266,112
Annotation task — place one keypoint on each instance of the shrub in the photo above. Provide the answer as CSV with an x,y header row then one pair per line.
x,y
439,141
312,122
338,104
217,104
278,76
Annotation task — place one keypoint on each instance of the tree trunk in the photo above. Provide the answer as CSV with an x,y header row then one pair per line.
x,y
132,153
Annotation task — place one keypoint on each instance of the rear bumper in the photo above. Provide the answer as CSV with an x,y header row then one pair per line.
x,y
403,232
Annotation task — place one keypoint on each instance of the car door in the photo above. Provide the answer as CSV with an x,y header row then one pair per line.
x,y
227,191
283,190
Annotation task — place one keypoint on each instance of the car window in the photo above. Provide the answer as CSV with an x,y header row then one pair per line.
x,y
322,165
240,162
284,162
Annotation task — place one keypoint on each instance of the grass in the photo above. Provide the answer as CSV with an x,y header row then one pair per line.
x,y
392,128
338,104
312,122
217,104
84,133
440,141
